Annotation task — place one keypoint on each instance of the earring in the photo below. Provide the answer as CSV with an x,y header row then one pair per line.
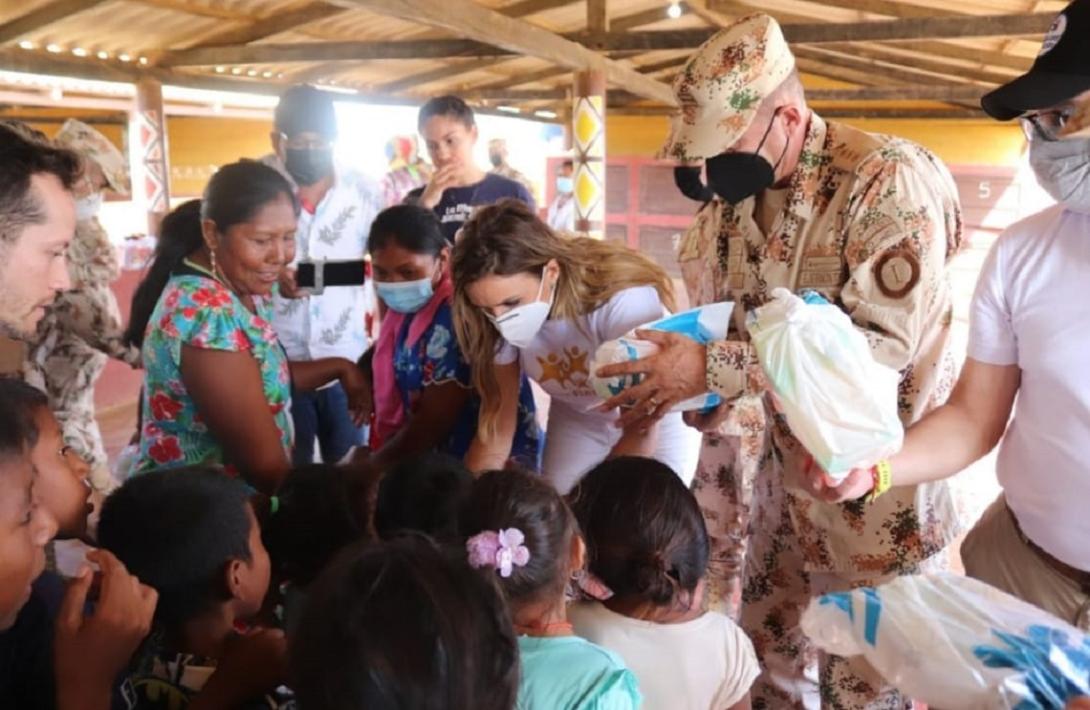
x,y
215,266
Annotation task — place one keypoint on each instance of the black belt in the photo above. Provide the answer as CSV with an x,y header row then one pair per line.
x,y
316,275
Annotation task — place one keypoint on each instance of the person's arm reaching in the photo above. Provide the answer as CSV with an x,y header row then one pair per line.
x,y
223,384
427,426
491,451
311,374
946,441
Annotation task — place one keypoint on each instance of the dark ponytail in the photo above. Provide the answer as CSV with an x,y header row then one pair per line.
x,y
233,196
179,236
646,537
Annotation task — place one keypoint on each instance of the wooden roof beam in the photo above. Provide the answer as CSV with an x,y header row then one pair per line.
x,y
858,113
889,8
597,16
467,18
825,32
941,66
439,73
902,92
269,26
42,17
574,49
518,9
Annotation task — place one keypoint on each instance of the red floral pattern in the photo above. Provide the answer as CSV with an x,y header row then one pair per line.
x,y
200,312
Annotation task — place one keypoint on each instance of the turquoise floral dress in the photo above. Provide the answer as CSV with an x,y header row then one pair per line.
x,y
201,312
436,358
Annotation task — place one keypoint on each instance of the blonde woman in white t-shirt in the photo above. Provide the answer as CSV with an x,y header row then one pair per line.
x,y
648,546
530,301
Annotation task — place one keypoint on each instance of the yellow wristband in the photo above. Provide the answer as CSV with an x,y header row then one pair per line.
x,y
883,479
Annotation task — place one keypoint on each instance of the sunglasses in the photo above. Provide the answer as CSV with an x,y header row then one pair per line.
x,y
1046,125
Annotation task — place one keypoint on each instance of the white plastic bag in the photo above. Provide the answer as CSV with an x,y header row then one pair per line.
x,y
703,324
955,643
839,402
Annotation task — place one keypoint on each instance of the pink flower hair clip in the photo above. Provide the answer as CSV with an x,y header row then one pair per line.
x,y
501,549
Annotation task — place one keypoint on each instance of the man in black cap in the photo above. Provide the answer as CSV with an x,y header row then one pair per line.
x,y
337,210
1029,338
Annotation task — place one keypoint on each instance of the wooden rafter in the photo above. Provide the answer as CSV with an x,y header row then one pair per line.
x,y
880,71
43,16
875,113
573,48
439,73
901,92
518,9
825,32
970,54
941,65
269,26
467,18
888,8
597,16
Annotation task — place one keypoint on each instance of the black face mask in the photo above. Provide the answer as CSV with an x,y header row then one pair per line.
x,y
496,159
308,165
736,176
687,179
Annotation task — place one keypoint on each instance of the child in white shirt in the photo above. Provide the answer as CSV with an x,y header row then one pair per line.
x,y
646,541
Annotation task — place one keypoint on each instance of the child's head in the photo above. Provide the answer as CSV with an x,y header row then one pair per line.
x,y
25,526
402,625
646,538
62,483
191,534
409,255
423,494
320,510
501,501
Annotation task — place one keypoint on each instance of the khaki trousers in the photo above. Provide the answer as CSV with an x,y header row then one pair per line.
x,y
996,554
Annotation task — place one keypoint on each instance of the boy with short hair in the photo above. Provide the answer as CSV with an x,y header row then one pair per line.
x,y
192,534
72,663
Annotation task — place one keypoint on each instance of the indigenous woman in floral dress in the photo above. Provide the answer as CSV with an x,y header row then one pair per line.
x,y
423,394
218,383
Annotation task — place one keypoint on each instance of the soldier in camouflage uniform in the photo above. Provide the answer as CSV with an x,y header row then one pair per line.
x,y
870,222
82,328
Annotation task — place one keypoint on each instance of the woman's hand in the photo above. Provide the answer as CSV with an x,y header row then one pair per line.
x,y
444,178
357,387
289,287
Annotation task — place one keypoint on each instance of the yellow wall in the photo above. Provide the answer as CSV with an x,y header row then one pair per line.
x,y
960,142
198,145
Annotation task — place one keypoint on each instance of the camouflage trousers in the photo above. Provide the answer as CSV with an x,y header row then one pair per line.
x,y
757,574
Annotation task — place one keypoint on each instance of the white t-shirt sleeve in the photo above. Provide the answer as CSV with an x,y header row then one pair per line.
x,y
992,339
626,310
742,666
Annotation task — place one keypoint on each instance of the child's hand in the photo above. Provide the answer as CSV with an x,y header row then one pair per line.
x,y
90,651
252,665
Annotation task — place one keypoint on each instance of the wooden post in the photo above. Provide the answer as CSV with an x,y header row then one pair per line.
x,y
150,142
588,129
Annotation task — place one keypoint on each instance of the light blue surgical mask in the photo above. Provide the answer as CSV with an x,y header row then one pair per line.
x,y
405,296
564,184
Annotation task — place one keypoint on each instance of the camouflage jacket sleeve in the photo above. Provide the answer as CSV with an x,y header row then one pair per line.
x,y
899,222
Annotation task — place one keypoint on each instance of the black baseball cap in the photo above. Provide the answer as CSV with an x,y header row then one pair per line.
x,y
304,108
1061,71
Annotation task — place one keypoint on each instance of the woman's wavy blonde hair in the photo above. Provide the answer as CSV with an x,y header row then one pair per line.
x,y
507,238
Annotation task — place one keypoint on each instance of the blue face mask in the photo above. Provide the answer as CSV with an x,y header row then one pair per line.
x,y
405,296
564,185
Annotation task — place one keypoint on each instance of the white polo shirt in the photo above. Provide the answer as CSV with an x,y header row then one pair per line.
x,y
1032,309
332,324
